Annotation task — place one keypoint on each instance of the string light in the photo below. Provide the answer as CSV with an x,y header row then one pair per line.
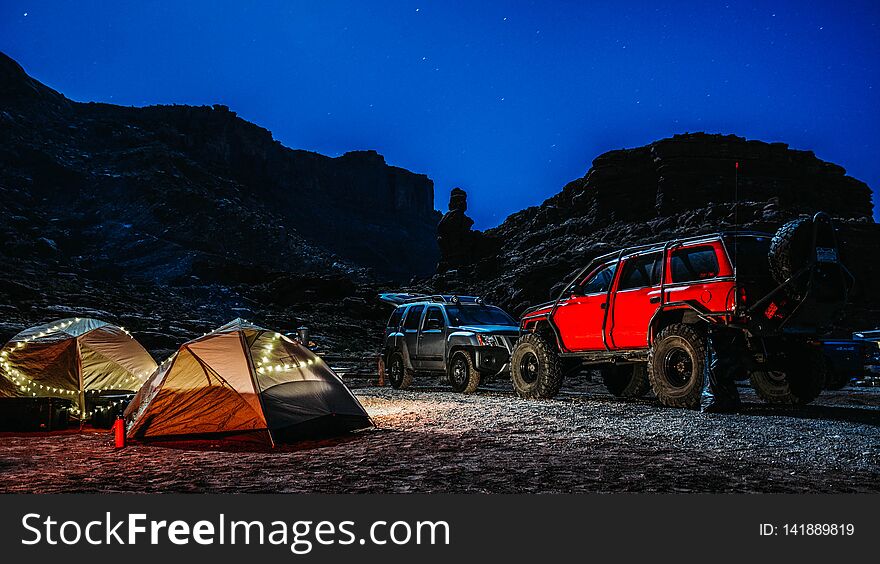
x,y
98,409
27,385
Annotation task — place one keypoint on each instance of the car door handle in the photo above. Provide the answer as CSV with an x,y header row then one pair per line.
x,y
654,299
603,305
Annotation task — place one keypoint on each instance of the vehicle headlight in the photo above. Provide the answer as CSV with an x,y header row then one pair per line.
x,y
489,340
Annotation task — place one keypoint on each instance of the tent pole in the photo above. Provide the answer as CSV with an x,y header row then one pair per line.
x,y
252,373
82,390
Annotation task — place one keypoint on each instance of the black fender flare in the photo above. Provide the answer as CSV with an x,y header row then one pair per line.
x,y
545,319
689,306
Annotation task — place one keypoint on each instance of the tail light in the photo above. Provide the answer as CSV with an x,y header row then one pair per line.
x,y
737,299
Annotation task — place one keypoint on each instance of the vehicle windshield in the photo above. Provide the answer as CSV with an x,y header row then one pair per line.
x,y
460,315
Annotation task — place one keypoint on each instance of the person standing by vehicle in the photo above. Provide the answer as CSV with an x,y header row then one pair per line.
x,y
723,351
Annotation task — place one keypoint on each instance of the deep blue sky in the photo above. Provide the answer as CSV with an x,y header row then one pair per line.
x,y
509,100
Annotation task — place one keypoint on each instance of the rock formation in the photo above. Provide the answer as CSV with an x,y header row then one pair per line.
x,y
171,220
169,185
460,245
454,234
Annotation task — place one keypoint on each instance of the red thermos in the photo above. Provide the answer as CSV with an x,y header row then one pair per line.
x,y
119,432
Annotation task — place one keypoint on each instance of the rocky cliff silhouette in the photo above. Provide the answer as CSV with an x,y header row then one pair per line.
x,y
172,220
168,191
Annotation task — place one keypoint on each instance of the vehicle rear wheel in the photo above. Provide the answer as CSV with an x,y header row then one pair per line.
x,y
771,386
626,380
800,384
399,376
676,366
463,376
535,367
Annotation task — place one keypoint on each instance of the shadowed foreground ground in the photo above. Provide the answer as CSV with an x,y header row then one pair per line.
x,y
429,440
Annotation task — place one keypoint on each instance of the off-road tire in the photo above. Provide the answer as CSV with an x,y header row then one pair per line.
x,y
469,385
545,379
790,252
399,376
772,387
678,343
626,380
807,369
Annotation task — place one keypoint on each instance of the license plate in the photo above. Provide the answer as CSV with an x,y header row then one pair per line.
x,y
825,254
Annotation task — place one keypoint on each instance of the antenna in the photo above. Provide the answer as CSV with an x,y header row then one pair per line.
x,y
736,196
735,226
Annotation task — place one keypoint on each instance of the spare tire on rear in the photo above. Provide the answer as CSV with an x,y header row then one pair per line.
x,y
791,251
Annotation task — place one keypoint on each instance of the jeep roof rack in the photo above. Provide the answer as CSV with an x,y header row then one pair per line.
x,y
660,245
397,299
445,299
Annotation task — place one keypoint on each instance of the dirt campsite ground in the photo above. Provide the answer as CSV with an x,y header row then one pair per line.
x,y
431,440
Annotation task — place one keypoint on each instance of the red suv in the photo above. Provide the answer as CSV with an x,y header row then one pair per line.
x,y
642,315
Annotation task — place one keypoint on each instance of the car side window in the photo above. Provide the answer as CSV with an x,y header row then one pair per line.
x,y
640,272
657,269
413,316
396,316
434,313
694,263
600,281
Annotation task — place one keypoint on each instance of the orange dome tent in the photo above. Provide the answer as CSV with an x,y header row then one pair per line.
x,y
243,382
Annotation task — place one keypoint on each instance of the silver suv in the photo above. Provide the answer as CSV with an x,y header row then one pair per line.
x,y
456,336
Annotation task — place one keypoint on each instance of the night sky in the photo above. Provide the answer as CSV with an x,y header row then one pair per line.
x,y
509,100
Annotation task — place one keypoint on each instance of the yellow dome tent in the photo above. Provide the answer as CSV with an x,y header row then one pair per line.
x,y
70,358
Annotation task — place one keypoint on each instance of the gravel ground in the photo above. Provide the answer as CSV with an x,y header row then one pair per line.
x,y
430,440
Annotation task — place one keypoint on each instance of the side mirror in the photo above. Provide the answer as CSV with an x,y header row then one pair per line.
x,y
432,324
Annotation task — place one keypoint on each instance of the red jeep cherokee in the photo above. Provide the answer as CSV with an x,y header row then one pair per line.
x,y
642,315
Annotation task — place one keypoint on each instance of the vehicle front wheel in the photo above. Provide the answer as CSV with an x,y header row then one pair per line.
x,y
676,366
399,376
535,368
627,380
463,376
